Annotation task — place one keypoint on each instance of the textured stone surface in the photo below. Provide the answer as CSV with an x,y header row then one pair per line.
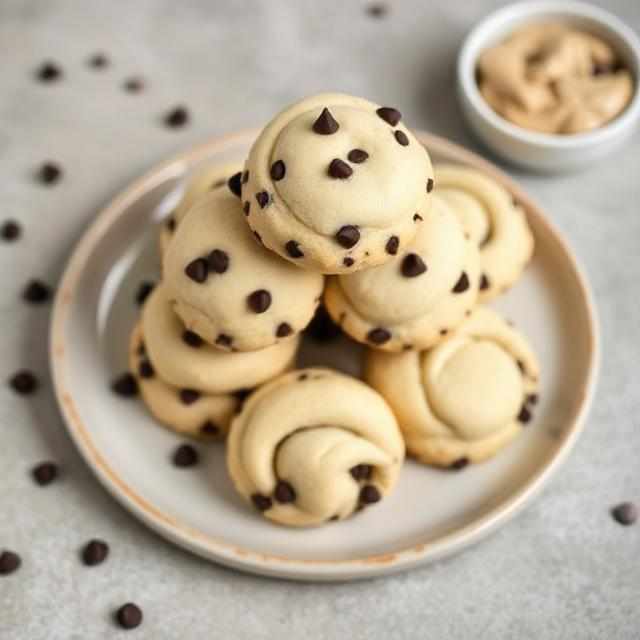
x,y
563,569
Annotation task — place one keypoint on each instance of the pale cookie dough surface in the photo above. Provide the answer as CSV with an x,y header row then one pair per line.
x,y
238,296
313,446
184,410
415,300
495,221
212,177
336,193
462,401
182,359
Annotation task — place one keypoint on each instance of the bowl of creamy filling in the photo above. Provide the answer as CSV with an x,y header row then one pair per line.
x,y
551,85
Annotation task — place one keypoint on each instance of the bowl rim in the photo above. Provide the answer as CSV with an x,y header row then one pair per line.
x,y
474,43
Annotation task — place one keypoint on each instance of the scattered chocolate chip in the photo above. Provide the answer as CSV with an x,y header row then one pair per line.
x,y
284,329
462,284
49,173
412,265
361,471
218,261
209,428
416,217
401,137
357,156
189,396
197,270
144,289
242,394
36,292
532,398
348,236
393,243
525,415
257,236
325,124
171,224
284,492
191,338
625,513
246,207
49,72
260,502
348,262
302,377
134,85
369,494
460,463
45,473
234,183
9,562
185,456
407,347
95,552
277,170
23,382
259,301
98,61
377,10
322,328
334,518
262,199
484,282
339,169
129,616
379,335
224,340
141,349
10,230
125,385
443,332
429,185
293,249
145,370
177,117
389,115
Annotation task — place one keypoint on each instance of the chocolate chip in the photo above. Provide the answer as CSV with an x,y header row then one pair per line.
x,y
36,292
171,224
484,282
460,463
429,185
322,328
532,398
325,124
293,249
242,394
284,492
357,156
525,415
45,473
348,236
260,502
284,329
416,217
378,335
191,338
377,10
393,243
389,115
197,270
23,382
521,366
144,289
625,513
218,261
401,137
9,562
141,349
262,199
277,170
361,471
125,385
369,494
224,340
259,301
412,265
246,207
443,332
49,72
134,85
177,117
10,230
339,169
462,284
234,183
302,377
145,370
257,236
189,396
348,262
209,428
98,61
185,456
129,616
95,552
49,173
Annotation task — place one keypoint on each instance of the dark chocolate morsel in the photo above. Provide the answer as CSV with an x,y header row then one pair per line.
x,y
209,428
625,513
393,243
189,396
339,169
260,502
429,185
525,415
246,207
49,173
224,340
45,473
389,115
177,117
369,494
361,471
401,137
126,385
129,616
23,382
144,289
348,262
460,463
262,199
416,217
293,249
145,370
191,338
357,156
284,492
10,230
197,270
95,552
49,72
277,170
259,301
348,236
36,292
284,329
185,456
379,335
325,124
9,562
412,265
484,282
218,261
234,184
462,284
98,61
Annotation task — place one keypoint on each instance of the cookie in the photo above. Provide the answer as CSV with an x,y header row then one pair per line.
x,y
187,411
229,289
415,300
212,177
336,184
313,446
494,219
464,400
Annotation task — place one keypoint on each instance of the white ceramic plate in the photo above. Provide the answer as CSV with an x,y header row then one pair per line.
x,y
432,513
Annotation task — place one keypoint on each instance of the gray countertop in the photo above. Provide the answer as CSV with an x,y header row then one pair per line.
x,y
563,569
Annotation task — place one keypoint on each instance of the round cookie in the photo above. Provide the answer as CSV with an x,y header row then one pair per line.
x,y
185,410
414,301
227,287
462,401
313,446
212,177
336,184
494,219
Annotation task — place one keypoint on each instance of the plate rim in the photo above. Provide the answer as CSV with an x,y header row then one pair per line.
x,y
282,566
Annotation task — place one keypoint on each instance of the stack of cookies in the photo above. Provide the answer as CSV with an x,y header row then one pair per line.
x,y
337,202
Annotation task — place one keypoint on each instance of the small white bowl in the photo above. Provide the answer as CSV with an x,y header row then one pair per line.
x,y
541,151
